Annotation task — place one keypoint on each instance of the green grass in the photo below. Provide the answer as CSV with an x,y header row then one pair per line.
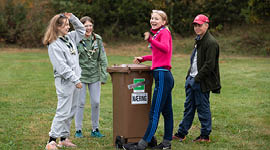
x,y
241,113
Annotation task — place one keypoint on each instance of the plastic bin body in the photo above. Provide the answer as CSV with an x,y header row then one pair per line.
x,y
130,120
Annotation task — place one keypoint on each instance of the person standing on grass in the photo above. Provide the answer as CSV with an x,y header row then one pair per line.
x,y
161,46
93,61
202,77
64,57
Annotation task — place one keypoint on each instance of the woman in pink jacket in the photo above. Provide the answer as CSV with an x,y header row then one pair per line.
x,y
161,46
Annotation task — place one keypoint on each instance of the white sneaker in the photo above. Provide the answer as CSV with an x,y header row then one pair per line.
x,y
51,146
66,143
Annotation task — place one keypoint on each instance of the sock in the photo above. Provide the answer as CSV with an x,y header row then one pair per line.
x,y
52,139
63,139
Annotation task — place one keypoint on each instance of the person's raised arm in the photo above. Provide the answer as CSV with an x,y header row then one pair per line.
x,y
79,32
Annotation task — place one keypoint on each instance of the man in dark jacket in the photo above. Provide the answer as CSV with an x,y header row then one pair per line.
x,y
203,77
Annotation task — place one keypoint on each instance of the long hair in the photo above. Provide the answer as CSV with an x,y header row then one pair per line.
x,y
52,32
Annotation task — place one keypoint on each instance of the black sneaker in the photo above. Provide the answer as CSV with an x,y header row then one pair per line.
x,y
179,136
153,142
202,138
161,146
132,146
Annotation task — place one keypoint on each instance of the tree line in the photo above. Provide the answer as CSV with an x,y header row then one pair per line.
x,y
23,22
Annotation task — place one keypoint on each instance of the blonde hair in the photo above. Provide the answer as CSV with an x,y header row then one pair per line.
x,y
162,14
52,33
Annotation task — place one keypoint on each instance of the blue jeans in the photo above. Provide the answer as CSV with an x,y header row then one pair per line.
x,y
196,99
161,102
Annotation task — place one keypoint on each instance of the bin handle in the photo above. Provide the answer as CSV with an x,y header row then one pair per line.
x,y
129,70
132,86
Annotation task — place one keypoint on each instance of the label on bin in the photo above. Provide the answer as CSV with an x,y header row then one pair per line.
x,y
139,98
140,87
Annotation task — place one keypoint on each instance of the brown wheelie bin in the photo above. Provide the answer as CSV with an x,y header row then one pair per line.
x,y
132,91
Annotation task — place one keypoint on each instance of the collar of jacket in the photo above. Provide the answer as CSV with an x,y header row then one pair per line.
x,y
91,37
156,30
203,38
63,38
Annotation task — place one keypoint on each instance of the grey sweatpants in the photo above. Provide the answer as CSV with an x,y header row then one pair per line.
x,y
94,91
67,95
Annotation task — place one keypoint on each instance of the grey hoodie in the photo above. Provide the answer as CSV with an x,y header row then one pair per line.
x,y
65,64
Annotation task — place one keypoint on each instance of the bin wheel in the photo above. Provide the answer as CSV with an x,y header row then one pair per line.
x,y
119,141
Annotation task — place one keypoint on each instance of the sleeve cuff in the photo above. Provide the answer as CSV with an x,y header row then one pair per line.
x,y
150,39
72,17
196,79
76,82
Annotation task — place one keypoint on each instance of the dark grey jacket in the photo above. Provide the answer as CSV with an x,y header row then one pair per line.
x,y
207,63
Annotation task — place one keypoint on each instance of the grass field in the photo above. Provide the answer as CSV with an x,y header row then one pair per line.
x,y
241,113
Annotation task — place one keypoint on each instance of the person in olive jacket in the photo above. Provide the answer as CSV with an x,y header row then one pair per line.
x,y
93,62
202,77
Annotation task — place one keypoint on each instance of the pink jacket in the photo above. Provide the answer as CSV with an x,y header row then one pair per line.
x,y
161,49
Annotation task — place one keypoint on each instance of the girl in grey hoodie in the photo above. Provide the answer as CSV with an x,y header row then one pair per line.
x,y
63,55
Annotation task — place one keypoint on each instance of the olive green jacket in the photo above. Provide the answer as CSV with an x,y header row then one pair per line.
x,y
208,64
92,59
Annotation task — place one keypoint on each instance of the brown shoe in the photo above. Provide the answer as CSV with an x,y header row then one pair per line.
x,y
179,136
66,143
202,138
